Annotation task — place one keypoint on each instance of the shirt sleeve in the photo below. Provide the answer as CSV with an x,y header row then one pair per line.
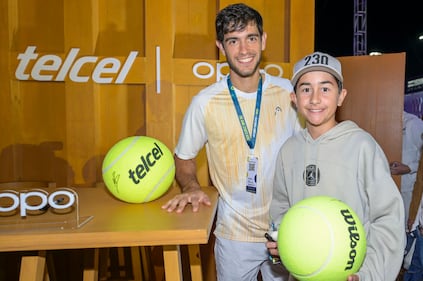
x,y
193,135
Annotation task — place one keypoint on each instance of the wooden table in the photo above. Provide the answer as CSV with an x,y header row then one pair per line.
x,y
119,224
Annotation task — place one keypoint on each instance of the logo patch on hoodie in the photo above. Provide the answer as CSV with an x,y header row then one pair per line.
x,y
311,175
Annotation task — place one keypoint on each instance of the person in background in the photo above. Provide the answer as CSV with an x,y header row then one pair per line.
x,y
415,217
242,120
412,143
341,160
413,259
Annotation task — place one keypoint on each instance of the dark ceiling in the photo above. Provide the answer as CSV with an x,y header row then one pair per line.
x,y
391,28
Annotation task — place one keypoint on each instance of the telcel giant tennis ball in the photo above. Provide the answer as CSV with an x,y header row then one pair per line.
x,y
138,169
321,239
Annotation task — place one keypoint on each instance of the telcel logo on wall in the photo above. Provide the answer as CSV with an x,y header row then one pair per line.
x,y
107,70
103,70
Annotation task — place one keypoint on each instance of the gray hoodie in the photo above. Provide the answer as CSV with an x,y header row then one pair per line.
x,y
346,163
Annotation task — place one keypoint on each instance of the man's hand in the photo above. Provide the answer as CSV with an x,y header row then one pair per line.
x,y
410,223
194,198
398,168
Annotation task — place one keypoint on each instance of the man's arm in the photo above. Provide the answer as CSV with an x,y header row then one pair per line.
x,y
186,177
186,174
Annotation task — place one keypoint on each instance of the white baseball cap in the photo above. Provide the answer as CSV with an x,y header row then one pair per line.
x,y
317,61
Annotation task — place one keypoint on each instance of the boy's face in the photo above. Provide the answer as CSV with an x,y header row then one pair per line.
x,y
243,50
317,97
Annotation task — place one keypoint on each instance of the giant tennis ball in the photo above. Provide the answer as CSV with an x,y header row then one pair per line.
x,y
321,239
138,169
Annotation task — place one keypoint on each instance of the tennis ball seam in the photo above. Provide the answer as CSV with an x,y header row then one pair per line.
x,y
108,167
164,177
327,261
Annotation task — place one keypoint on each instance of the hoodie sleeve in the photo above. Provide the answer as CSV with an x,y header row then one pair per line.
x,y
384,223
280,202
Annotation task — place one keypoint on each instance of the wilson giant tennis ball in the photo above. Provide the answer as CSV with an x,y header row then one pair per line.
x,y
321,239
138,169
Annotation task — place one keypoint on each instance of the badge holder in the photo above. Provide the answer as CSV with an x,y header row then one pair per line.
x,y
38,209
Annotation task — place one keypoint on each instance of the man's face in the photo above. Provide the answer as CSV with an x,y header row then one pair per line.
x,y
243,50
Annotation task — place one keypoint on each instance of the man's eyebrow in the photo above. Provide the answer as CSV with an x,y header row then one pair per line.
x,y
231,38
236,37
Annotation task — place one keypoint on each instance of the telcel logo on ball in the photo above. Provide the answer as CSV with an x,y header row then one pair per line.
x,y
138,169
147,162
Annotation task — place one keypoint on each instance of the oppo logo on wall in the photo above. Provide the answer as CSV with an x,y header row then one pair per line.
x,y
106,70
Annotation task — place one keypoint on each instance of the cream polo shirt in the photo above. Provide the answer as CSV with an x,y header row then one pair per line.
x,y
211,120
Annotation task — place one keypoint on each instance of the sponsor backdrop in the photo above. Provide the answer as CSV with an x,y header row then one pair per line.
x,y
77,76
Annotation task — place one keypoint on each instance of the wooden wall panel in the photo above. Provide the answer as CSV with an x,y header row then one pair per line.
x,y
63,129
194,26
60,131
301,33
375,99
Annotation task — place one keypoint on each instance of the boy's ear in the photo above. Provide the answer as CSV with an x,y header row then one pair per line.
x,y
341,97
293,99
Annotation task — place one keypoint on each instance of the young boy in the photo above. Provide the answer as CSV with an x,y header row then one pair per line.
x,y
339,160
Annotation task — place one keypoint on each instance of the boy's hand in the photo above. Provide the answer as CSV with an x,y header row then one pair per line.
x,y
353,277
273,248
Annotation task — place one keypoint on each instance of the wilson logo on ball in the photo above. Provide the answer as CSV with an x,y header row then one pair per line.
x,y
354,237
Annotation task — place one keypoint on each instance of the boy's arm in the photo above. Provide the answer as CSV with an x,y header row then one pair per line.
x,y
384,218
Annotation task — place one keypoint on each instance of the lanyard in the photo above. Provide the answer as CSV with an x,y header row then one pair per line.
x,y
251,140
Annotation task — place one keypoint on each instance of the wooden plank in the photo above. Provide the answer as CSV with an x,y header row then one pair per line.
x,y
32,268
172,263
195,262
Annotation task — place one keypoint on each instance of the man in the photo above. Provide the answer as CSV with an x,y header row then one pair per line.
x,y
412,142
241,156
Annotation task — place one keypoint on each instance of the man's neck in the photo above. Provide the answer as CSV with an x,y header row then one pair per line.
x,y
246,84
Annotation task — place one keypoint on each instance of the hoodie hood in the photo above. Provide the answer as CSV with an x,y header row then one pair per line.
x,y
341,129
